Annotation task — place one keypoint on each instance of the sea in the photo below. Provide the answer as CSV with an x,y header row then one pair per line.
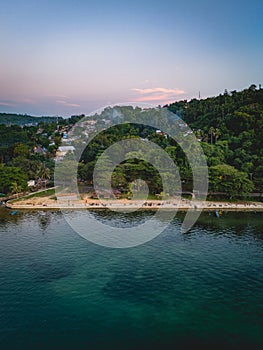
x,y
197,290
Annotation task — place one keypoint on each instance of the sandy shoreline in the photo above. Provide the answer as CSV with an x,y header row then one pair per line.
x,y
124,204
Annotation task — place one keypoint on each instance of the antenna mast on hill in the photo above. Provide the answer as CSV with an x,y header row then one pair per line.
x,y
57,122
199,95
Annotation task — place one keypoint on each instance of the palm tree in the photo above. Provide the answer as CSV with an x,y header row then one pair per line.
x,y
44,173
15,188
217,134
211,132
199,134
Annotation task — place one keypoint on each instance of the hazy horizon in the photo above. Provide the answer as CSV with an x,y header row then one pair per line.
x,y
73,57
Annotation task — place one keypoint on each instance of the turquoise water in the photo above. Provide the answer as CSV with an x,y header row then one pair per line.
x,y
201,290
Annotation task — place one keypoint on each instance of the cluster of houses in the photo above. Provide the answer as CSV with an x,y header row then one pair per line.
x,y
69,138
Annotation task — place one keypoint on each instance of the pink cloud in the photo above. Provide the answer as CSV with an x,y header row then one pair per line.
x,y
160,90
158,94
67,104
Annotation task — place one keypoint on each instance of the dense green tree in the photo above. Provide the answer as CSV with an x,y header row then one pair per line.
x,y
227,179
29,167
235,118
21,150
9,176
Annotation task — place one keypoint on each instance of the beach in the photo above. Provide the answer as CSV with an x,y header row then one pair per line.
x,y
72,202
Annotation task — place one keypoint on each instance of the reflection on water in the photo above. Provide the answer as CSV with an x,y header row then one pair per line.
x,y
44,219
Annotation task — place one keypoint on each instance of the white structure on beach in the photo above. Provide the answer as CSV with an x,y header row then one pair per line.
x,y
31,183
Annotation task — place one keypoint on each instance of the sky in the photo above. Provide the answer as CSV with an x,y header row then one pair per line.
x,y
71,57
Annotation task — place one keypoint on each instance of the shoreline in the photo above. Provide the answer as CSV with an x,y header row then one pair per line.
x,y
130,205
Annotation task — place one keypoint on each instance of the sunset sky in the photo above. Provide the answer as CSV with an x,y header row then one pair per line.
x,y
71,57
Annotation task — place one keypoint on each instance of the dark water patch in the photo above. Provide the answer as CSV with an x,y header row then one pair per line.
x,y
45,272
139,282
121,219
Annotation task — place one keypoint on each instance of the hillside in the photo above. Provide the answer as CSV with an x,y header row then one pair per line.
x,y
230,127
24,119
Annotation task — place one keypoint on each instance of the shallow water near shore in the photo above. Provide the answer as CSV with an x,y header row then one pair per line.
x,y
178,291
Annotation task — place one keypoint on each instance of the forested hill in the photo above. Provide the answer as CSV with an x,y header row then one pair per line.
x,y
229,128
24,119
231,122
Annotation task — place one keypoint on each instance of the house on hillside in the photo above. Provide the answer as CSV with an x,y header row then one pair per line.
x,y
39,149
63,150
161,133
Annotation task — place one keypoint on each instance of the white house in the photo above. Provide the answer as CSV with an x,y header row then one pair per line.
x,y
63,150
31,183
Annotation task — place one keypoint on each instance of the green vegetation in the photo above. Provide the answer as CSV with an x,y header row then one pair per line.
x,y
44,193
47,192
228,127
24,119
27,152
225,178
12,179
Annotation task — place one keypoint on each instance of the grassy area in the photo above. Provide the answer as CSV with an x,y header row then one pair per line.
x,y
45,193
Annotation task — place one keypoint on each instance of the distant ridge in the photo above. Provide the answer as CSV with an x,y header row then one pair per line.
x,y
24,119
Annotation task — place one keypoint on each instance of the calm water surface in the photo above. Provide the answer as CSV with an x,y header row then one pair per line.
x,y
203,289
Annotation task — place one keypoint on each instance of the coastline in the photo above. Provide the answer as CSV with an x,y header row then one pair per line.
x,y
131,205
